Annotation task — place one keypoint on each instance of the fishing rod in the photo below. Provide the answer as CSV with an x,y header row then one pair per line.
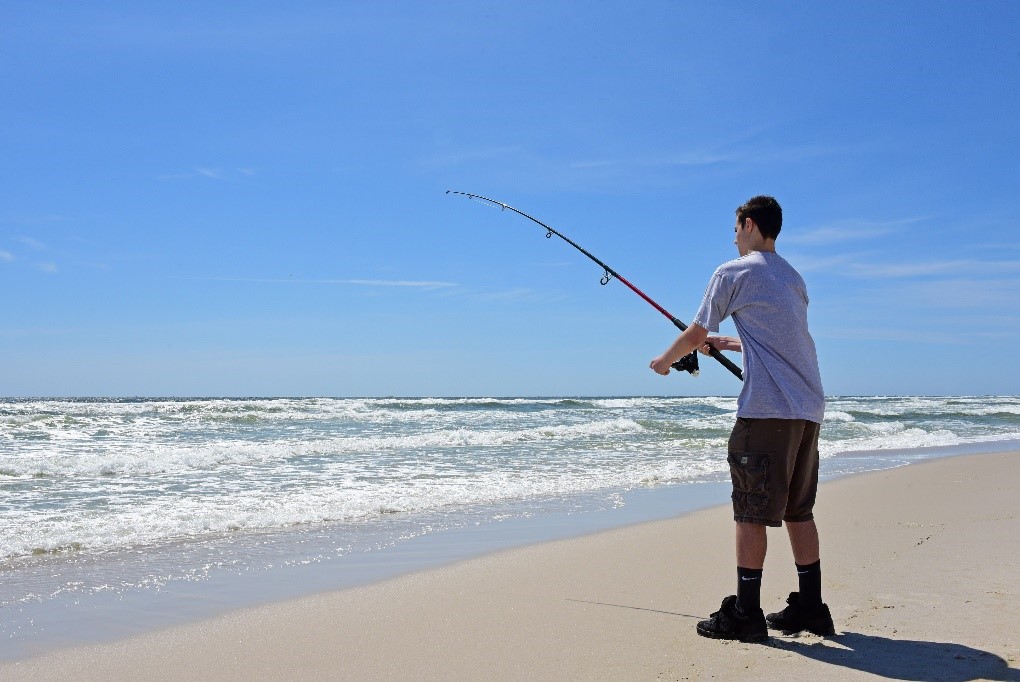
x,y
688,363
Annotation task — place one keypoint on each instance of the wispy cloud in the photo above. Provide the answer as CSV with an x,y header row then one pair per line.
x,y
418,284
921,334
45,266
830,263
1000,246
867,266
507,295
845,231
744,154
32,243
213,173
929,268
685,159
210,173
394,283
968,294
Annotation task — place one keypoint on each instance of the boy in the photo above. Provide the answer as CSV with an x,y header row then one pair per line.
x,y
773,449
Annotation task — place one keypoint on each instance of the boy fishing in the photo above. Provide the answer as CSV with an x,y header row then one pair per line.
x,y
773,448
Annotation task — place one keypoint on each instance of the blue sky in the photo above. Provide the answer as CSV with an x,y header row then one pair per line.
x,y
216,200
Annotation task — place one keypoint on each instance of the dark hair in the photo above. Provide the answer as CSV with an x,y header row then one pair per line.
x,y
766,213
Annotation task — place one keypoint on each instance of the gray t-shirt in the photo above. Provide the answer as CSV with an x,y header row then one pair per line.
x,y
768,301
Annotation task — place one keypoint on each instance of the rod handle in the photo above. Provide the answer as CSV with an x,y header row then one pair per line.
x,y
727,363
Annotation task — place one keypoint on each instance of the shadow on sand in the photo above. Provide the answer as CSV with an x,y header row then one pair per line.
x,y
895,659
902,659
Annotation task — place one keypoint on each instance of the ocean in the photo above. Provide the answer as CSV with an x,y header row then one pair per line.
x,y
116,501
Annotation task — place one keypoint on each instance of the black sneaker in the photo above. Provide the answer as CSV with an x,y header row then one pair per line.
x,y
729,623
797,617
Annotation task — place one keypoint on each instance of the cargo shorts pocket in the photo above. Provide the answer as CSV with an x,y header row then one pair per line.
x,y
751,495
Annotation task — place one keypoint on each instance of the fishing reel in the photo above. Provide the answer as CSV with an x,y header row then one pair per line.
x,y
688,363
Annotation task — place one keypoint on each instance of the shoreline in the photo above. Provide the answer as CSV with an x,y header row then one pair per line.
x,y
712,569
77,619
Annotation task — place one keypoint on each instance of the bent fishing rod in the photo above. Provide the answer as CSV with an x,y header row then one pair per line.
x,y
688,363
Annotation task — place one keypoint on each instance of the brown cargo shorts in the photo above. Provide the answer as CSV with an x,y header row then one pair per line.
x,y
774,467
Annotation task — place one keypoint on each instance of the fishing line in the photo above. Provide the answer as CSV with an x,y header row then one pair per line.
x,y
688,363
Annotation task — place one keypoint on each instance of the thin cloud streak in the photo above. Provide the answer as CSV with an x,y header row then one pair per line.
x,y
833,264
32,243
394,283
702,158
855,265
508,295
968,294
922,335
221,174
420,284
845,231
1001,246
691,159
953,267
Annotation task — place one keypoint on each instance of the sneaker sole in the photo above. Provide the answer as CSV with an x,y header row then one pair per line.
x,y
747,639
821,632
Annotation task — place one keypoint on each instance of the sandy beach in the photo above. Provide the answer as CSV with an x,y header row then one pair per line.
x,y
917,569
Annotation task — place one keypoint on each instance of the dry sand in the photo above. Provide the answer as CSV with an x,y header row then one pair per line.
x,y
918,564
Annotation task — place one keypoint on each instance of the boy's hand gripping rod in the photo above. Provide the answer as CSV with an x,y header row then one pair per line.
x,y
688,363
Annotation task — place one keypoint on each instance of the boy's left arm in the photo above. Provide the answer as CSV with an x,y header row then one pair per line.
x,y
693,337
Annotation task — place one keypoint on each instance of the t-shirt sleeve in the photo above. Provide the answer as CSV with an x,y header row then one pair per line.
x,y
715,306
